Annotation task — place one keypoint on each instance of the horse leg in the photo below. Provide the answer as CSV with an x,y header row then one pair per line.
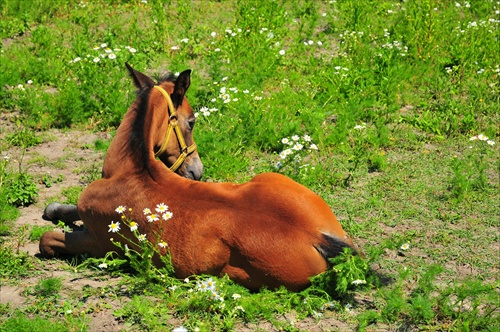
x,y
65,212
54,243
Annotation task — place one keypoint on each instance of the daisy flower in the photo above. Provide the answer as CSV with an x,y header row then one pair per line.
x,y
295,137
141,237
358,282
167,215
121,209
285,140
103,266
313,147
405,246
133,226
163,244
153,217
114,227
161,208
146,211
180,329
481,137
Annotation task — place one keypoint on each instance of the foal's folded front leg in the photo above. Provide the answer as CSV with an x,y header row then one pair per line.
x,y
55,243
67,213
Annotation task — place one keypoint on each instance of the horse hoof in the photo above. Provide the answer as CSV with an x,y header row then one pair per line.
x,y
50,212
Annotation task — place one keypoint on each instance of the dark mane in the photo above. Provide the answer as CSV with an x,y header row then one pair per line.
x,y
137,139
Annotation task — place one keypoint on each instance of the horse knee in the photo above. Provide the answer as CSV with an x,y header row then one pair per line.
x,y
46,245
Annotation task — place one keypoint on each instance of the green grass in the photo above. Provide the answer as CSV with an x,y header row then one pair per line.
x,y
391,93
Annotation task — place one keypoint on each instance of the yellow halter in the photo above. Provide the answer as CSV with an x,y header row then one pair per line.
x,y
174,126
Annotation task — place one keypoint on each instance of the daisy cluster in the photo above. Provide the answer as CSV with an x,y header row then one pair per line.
x,y
230,33
394,45
483,138
360,127
295,144
225,96
348,39
311,43
209,286
22,87
161,211
104,52
491,24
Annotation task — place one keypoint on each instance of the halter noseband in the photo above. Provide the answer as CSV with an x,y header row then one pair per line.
x,y
173,125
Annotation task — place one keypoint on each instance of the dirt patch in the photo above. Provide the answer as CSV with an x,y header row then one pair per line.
x,y
63,155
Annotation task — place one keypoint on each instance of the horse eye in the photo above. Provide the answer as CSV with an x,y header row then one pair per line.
x,y
191,123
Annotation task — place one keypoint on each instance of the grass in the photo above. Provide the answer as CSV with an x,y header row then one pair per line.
x,y
393,95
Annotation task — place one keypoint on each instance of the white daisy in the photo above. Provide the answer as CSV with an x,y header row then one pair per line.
x,y
133,226
121,209
114,227
161,208
152,217
167,215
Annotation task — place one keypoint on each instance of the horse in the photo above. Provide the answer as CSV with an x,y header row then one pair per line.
x,y
268,232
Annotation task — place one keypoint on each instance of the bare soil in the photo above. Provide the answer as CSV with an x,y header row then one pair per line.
x,y
63,154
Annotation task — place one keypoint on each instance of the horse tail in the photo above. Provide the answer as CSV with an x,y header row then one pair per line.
x,y
332,246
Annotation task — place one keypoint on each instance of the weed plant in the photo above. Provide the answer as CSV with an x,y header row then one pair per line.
x,y
390,94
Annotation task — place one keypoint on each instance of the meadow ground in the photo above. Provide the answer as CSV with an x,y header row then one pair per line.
x,y
387,109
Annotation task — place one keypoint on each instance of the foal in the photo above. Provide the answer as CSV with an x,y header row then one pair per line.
x,y
270,231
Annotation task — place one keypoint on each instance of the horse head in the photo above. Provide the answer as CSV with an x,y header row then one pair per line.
x,y
173,141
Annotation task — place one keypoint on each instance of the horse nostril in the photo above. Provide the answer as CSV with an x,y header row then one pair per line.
x,y
196,175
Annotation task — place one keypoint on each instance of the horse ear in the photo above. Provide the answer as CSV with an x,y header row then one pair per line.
x,y
181,86
140,80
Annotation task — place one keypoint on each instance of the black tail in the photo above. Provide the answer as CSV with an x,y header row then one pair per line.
x,y
332,246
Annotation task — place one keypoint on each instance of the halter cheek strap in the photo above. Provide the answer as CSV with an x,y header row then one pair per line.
x,y
174,126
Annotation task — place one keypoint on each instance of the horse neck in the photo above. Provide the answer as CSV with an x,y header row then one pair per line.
x,y
126,152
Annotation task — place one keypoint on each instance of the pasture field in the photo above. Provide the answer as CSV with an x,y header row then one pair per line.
x,y
389,110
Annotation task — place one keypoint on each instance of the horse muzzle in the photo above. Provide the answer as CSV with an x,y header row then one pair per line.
x,y
192,168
